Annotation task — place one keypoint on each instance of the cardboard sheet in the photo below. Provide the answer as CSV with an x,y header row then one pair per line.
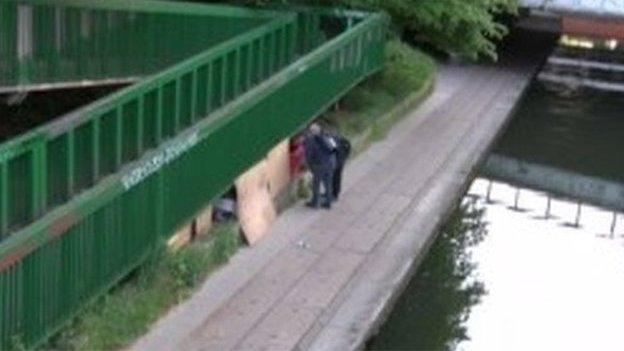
x,y
256,211
278,168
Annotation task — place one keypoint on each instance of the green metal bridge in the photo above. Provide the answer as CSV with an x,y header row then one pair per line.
x,y
86,196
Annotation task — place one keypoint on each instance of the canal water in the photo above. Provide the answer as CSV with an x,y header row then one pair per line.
x,y
509,271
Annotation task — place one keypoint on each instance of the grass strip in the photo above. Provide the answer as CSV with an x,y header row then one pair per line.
x,y
166,279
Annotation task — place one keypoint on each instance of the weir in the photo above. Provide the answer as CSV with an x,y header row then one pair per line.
x,y
592,190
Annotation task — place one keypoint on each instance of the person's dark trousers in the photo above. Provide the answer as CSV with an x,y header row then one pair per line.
x,y
342,154
316,188
328,185
322,177
337,181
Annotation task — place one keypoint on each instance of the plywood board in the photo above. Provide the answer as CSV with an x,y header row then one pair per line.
x,y
204,221
278,168
256,211
181,238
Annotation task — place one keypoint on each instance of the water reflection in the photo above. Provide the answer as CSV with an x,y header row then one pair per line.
x,y
433,311
547,276
552,284
550,273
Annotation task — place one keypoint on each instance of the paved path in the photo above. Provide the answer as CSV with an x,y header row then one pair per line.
x,y
330,295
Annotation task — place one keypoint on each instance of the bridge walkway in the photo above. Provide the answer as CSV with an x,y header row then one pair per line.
x,y
321,279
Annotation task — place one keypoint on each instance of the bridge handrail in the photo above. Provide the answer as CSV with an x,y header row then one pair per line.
x,y
37,147
54,44
71,255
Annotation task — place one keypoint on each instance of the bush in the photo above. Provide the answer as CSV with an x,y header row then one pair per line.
x,y
467,28
188,266
226,242
405,71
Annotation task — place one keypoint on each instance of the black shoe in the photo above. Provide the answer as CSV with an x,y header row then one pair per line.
x,y
326,205
312,204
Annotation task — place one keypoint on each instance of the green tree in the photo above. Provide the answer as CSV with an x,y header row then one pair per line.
x,y
465,27
468,28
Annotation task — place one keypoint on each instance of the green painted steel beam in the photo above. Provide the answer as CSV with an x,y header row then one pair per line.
x,y
55,44
24,142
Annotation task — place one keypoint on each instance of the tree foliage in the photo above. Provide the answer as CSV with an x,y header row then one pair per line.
x,y
465,27
468,28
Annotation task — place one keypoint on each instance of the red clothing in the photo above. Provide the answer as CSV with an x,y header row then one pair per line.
x,y
297,156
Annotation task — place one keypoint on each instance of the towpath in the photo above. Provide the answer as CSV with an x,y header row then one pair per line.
x,y
322,280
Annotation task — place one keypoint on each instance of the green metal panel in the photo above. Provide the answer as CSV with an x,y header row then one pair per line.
x,y
47,44
120,127
155,154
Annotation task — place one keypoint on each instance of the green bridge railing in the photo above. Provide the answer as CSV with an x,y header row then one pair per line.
x,y
48,44
46,167
85,198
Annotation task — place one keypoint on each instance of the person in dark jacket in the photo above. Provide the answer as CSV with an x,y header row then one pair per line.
x,y
343,151
321,159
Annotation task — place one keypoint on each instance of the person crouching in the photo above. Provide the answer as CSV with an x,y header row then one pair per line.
x,y
321,159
